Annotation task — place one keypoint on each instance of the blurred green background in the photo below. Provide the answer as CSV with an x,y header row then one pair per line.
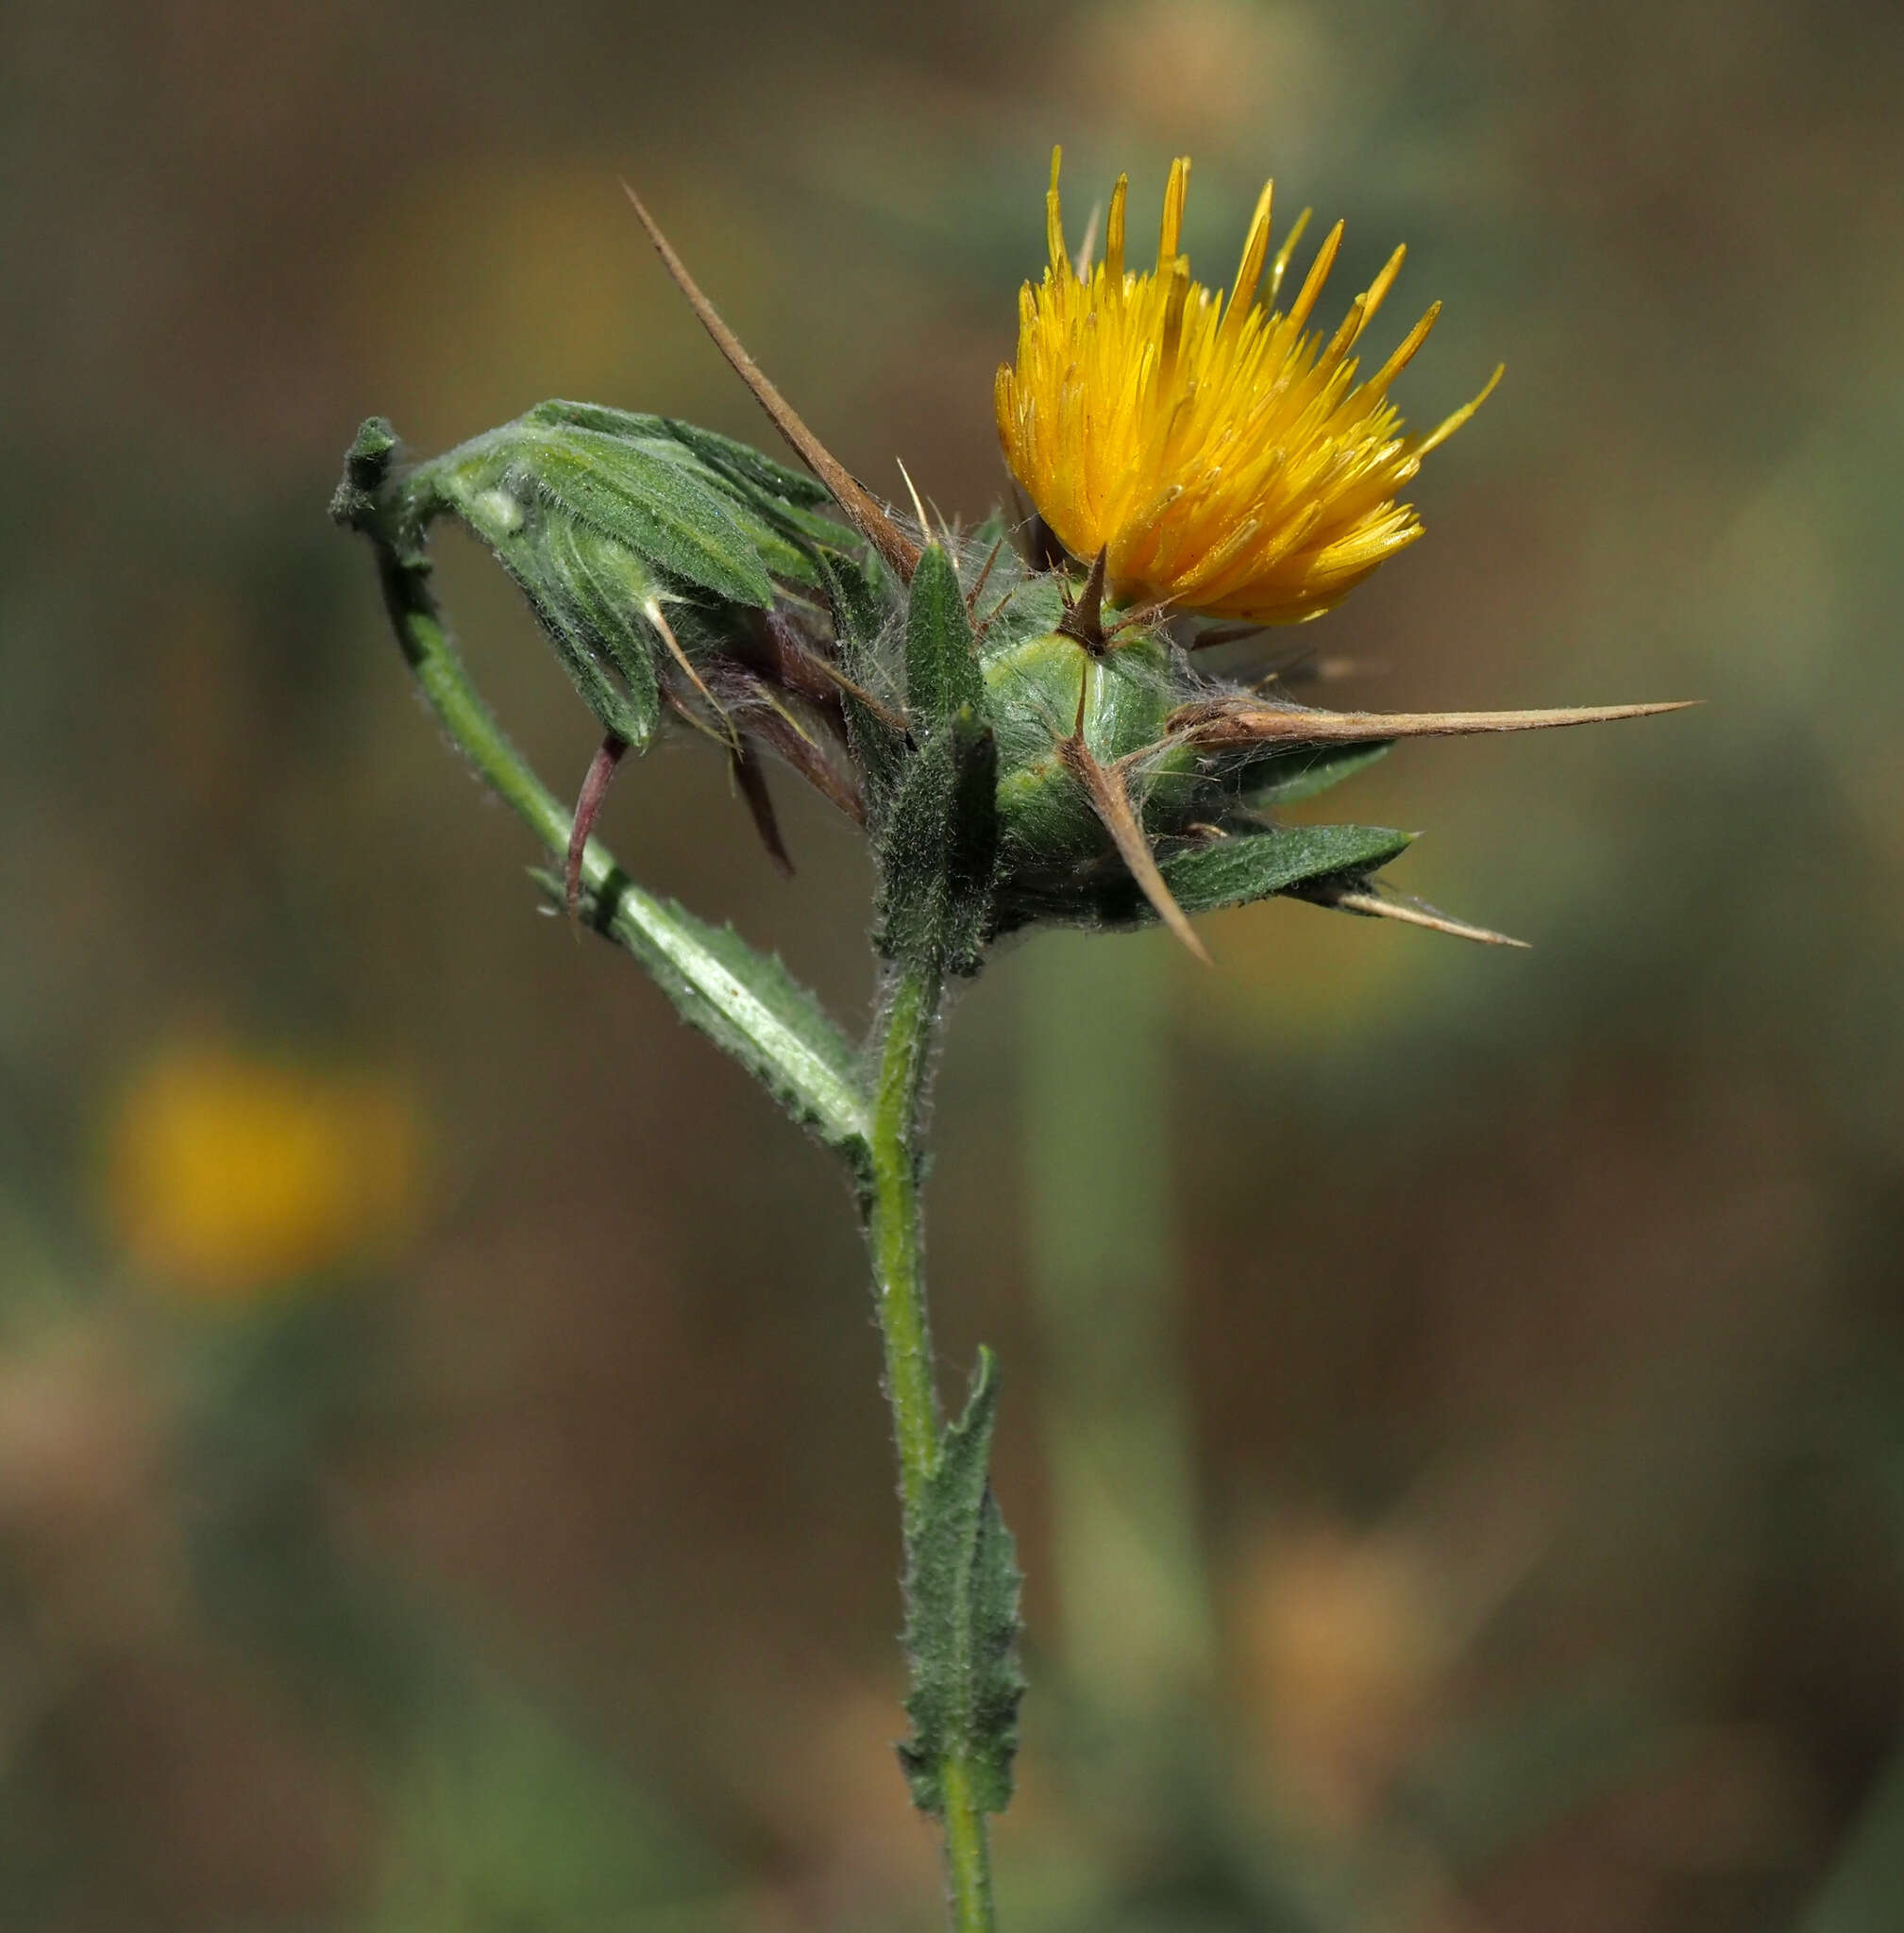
x,y
1455,1418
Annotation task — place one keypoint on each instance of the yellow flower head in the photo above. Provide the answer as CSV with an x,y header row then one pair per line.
x,y
1228,461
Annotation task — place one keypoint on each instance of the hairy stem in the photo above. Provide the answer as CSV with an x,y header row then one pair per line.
x,y
893,1228
968,1854
775,1031
893,1232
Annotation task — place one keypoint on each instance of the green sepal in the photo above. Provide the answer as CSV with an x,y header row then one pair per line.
x,y
744,1000
962,1584
1287,776
1255,865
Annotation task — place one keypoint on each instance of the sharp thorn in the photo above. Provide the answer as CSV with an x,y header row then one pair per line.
x,y
912,491
1084,618
1377,905
985,575
1246,724
1112,804
862,511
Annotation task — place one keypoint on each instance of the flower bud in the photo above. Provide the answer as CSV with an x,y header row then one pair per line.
x,y
607,518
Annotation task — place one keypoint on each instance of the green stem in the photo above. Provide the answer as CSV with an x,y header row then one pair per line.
x,y
893,1228
743,1003
776,1033
968,1854
437,667
893,1232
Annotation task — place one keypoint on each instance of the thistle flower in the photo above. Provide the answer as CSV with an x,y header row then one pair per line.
x,y
1226,461
1014,759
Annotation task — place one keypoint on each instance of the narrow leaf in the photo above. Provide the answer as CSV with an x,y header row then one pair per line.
x,y
961,1584
1253,866
659,508
866,516
744,1000
937,847
941,663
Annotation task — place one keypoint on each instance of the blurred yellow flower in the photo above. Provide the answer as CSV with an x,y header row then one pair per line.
x,y
1228,461
228,1176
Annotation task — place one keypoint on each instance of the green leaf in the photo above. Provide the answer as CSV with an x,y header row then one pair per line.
x,y
587,590
606,591
744,1003
743,460
937,845
855,590
632,490
1308,770
938,848
941,663
773,505
962,1586
744,1000
1253,866
719,452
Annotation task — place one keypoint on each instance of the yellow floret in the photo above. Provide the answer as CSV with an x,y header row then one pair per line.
x,y
1226,459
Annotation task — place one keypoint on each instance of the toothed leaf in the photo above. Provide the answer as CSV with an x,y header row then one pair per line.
x,y
744,1000
961,1584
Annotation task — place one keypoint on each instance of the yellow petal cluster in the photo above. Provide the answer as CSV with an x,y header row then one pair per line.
x,y
1225,459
